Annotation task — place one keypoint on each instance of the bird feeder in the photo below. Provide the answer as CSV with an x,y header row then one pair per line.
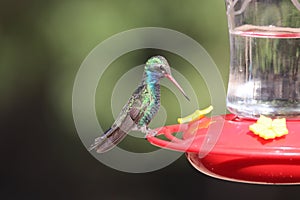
x,y
259,141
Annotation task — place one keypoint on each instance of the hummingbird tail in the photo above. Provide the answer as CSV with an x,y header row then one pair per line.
x,y
108,140
97,142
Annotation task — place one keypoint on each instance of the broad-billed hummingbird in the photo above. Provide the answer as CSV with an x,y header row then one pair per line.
x,y
141,107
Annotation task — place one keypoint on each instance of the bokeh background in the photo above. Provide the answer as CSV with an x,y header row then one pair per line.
x,y
42,44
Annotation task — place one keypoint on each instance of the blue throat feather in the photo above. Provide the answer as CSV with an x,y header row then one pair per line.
x,y
152,94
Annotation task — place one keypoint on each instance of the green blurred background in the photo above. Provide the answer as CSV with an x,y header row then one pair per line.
x,y
42,44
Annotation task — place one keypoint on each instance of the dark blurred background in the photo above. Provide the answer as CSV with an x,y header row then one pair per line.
x,y
42,44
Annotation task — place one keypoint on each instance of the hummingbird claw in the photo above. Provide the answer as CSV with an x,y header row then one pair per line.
x,y
144,129
148,131
151,133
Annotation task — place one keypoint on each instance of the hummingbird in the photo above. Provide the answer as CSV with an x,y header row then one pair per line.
x,y
141,107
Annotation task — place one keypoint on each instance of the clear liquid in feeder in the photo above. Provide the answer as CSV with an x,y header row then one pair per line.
x,y
265,58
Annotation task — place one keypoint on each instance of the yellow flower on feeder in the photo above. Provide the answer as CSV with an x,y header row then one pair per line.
x,y
198,114
267,128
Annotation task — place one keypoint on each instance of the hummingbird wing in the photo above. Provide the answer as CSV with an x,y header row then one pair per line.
x,y
140,105
125,122
111,137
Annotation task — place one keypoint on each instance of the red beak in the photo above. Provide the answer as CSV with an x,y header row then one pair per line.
x,y
170,77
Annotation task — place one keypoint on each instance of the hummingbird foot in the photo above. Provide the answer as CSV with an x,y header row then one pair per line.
x,y
151,133
148,131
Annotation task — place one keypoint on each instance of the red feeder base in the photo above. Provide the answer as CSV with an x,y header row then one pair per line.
x,y
223,147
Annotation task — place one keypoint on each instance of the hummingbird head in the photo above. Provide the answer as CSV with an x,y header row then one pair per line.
x,y
159,68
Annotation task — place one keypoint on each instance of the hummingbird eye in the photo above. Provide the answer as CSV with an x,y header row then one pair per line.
x,y
161,67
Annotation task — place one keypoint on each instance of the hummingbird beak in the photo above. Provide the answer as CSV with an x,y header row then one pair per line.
x,y
170,77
